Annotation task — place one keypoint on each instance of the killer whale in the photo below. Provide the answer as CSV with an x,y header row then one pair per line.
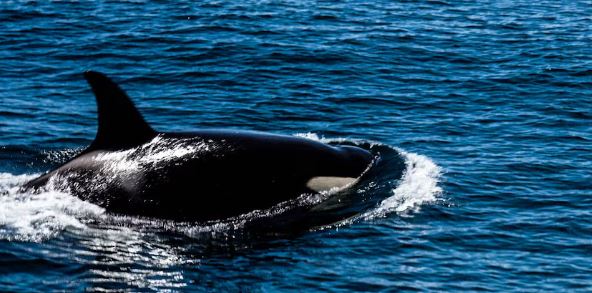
x,y
208,174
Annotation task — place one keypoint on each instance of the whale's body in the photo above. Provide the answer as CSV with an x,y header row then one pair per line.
x,y
209,174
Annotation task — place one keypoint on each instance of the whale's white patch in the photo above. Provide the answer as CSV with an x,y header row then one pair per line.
x,y
328,183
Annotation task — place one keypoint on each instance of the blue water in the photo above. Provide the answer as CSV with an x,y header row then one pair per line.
x,y
485,109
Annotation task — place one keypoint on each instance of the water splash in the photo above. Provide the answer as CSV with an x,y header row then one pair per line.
x,y
417,187
36,217
157,151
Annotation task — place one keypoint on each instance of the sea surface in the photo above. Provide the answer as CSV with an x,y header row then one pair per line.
x,y
481,110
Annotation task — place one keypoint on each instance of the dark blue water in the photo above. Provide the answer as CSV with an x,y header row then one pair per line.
x,y
484,108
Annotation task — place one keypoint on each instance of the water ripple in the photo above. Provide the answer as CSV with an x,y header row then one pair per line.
x,y
496,92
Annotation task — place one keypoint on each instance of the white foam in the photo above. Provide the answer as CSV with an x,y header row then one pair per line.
x,y
314,136
417,187
309,135
35,217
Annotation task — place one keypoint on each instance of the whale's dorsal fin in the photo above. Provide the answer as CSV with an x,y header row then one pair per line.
x,y
120,124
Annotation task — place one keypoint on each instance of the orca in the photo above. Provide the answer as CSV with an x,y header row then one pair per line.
x,y
204,175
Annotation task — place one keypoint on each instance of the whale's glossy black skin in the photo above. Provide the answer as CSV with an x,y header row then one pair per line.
x,y
221,173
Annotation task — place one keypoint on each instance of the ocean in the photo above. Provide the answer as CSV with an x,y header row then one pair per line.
x,y
482,111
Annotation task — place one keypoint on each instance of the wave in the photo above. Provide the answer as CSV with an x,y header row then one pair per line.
x,y
418,186
403,183
36,217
